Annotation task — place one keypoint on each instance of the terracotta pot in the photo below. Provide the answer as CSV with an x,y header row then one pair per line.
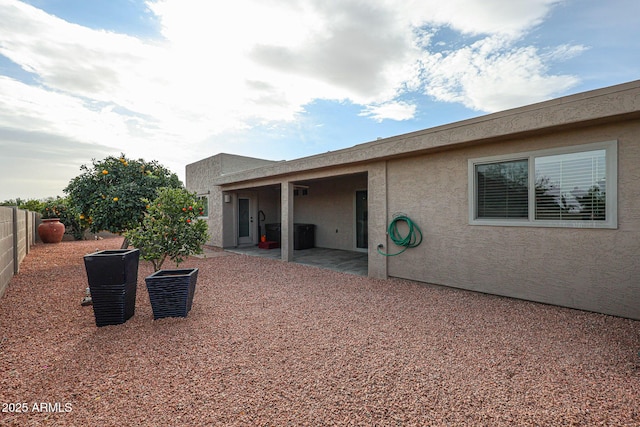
x,y
51,230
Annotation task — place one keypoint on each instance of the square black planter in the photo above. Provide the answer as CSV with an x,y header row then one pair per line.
x,y
113,279
171,292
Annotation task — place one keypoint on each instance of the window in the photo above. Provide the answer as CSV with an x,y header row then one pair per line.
x,y
502,190
205,204
570,187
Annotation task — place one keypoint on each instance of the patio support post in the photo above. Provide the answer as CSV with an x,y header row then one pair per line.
x,y
286,225
377,186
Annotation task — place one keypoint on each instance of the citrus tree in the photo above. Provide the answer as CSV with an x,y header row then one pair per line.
x,y
110,194
171,228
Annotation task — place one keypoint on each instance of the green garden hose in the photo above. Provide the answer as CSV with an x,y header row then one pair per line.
x,y
411,240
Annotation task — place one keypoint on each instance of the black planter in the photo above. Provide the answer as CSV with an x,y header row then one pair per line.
x,y
113,279
171,292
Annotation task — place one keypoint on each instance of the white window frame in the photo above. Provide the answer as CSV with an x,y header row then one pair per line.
x,y
611,209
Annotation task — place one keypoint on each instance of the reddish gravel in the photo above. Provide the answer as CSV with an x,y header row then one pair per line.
x,y
272,343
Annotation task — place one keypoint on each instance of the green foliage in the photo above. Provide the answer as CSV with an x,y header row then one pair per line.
x,y
111,193
62,208
170,228
53,208
12,202
32,205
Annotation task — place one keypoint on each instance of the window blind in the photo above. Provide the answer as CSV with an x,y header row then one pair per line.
x,y
502,190
571,186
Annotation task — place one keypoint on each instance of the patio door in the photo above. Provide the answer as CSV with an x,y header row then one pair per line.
x,y
362,220
245,221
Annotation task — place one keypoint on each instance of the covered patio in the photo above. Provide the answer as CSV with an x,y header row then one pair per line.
x,y
334,206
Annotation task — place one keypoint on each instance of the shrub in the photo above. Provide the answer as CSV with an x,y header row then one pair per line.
x,y
171,228
31,205
111,193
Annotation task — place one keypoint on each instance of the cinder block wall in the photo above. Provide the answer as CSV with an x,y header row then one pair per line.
x,y
21,235
6,247
17,235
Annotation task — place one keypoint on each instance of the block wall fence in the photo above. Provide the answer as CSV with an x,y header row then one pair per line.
x,y
18,233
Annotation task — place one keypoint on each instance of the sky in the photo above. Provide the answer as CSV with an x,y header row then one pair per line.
x,y
180,80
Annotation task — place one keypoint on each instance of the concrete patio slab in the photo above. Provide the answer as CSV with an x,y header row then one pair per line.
x,y
351,262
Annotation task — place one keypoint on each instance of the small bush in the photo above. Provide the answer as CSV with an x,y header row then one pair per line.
x,y
171,228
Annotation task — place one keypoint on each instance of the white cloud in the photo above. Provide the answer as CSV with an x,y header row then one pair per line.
x,y
390,110
38,110
213,55
492,75
224,67
360,52
564,52
499,17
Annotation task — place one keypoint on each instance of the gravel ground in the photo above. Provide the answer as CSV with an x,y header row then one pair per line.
x,y
272,343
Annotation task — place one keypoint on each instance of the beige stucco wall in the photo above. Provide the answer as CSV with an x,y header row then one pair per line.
x,y
590,269
226,221
330,205
200,176
269,204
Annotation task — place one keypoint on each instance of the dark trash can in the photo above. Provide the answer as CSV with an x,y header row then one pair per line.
x,y
113,279
303,236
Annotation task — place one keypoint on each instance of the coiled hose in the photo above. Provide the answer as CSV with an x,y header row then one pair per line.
x,y
411,240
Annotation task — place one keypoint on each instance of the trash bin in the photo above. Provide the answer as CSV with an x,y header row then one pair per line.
x,y
303,236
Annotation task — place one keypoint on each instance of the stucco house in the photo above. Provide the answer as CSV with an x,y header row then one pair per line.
x,y
540,202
